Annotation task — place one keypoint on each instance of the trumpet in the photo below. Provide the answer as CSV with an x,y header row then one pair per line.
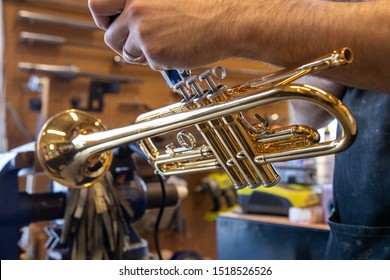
x,y
75,149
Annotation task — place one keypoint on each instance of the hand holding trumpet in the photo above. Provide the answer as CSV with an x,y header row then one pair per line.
x,y
166,34
187,34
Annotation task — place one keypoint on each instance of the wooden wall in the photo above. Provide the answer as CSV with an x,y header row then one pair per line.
x,y
119,108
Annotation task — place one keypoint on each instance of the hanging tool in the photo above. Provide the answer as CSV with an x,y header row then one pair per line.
x,y
61,3
39,38
33,17
97,90
72,72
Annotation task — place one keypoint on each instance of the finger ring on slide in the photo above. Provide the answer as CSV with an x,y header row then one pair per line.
x,y
133,59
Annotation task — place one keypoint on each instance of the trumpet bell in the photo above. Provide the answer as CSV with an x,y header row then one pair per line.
x,y
59,143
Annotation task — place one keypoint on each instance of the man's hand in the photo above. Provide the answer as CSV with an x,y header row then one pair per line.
x,y
170,34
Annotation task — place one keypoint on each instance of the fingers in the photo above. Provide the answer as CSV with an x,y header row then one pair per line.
x,y
123,37
116,34
131,47
123,33
103,10
112,17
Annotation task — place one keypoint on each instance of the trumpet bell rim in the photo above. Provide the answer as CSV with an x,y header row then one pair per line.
x,y
59,153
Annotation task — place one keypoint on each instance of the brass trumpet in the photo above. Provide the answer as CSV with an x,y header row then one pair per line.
x,y
74,148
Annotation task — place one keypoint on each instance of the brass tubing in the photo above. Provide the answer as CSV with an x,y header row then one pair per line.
x,y
222,154
231,147
266,173
287,133
230,141
224,143
184,156
205,165
288,75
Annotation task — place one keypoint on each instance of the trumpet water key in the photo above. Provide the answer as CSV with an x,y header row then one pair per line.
x,y
74,148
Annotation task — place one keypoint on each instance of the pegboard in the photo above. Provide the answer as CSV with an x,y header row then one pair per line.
x,y
120,109
79,49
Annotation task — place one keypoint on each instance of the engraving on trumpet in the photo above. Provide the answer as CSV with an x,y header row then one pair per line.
x,y
186,139
72,155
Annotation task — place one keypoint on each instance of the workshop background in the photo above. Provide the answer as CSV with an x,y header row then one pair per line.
x,y
30,96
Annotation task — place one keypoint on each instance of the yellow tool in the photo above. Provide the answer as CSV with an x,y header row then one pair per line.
x,y
222,191
277,200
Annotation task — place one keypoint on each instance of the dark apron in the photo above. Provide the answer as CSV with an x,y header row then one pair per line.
x,y
360,224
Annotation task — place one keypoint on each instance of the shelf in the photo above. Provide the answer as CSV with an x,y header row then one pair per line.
x,y
271,219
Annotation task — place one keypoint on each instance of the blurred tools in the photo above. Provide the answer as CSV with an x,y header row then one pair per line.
x,y
33,17
95,96
40,104
39,38
93,226
101,84
222,192
300,171
98,221
89,223
19,208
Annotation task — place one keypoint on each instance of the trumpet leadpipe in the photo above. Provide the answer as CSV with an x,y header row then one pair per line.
x,y
33,17
289,75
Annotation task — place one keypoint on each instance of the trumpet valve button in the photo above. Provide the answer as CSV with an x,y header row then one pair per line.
x,y
193,83
182,89
206,76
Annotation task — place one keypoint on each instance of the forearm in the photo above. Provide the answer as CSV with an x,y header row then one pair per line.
x,y
281,32
298,30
